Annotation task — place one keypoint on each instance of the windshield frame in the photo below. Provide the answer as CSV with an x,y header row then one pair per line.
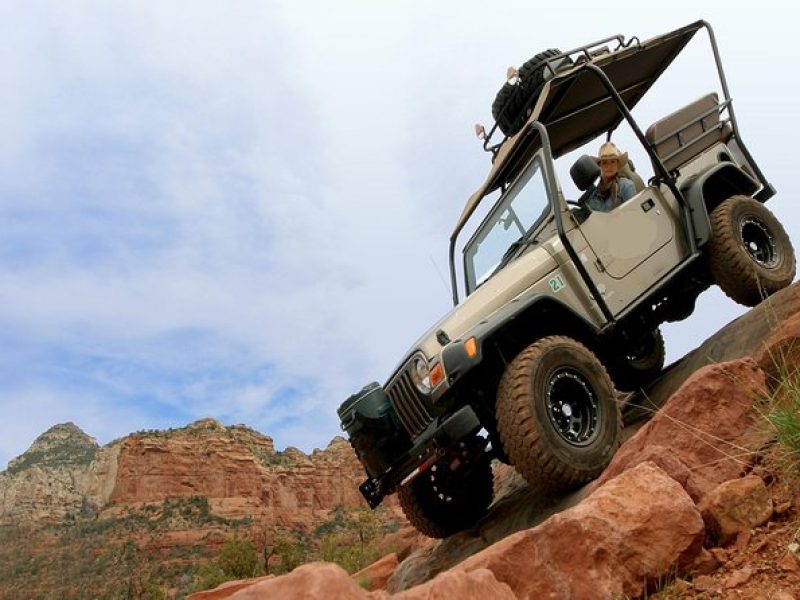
x,y
509,195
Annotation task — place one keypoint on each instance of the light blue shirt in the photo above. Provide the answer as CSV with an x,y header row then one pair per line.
x,y
604,203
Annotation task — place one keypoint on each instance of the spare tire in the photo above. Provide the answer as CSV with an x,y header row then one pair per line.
x,y
512,105
507,108
532,73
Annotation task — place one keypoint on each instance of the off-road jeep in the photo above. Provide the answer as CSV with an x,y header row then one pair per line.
x,y
563,304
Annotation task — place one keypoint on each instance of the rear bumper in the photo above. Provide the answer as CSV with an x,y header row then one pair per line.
x,y
428,447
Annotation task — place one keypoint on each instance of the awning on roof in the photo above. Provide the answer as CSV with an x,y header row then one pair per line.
x,y
575,107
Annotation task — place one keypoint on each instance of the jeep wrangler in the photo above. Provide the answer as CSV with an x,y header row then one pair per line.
x,y
563,305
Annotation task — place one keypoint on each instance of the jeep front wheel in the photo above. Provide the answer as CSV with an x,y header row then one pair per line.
x,y
750,255
557,414
441,502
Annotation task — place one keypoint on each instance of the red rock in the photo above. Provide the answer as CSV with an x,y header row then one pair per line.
x,y
404,541
708,425
479,584
327,581
667,461
705,563
375,576
315,581
738,578
789,562
235,468
721,554
239,473
702,583
780,354
631,530
742,539
228,589
741,338
736,506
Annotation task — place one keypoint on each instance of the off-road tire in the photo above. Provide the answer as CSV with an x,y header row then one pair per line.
x,y
750,255
508,108
438,518
634,367
527,410
532,72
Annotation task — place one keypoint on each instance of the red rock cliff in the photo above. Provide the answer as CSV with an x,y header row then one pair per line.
x,y
236,468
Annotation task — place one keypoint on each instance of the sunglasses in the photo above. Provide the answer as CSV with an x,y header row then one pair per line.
x,y
608,161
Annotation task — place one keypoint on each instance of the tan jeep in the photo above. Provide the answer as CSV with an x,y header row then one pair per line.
x,y
562,305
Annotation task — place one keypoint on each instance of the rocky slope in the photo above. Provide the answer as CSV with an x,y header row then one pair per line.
x,y
695,504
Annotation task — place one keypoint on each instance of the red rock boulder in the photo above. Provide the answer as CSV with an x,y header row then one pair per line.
x,y
710,425
314,581
375,576
479,584
632,530
736,506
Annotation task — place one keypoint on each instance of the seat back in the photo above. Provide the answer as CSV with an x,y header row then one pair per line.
x,y
682,135
628,171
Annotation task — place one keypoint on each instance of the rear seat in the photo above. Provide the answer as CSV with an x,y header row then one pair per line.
x,y
682,135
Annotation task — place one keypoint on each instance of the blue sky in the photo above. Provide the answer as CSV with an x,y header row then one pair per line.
x,y
241,210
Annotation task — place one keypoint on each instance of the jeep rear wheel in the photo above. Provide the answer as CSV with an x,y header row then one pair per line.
x,y
441,502
637,364
750,255
557,414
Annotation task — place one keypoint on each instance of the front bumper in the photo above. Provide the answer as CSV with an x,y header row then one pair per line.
x,y
428,448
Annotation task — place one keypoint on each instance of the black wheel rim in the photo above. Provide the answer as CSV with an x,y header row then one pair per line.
x,y
440,486
572,407
758,242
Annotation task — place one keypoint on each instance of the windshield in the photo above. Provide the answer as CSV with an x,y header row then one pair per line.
x,y
507,226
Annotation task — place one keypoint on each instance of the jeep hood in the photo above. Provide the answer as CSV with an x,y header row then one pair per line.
x,y
511,282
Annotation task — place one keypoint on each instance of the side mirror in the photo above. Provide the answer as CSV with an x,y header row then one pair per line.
x,y
584,172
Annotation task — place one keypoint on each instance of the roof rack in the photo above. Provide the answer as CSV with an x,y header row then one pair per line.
x,y
584,53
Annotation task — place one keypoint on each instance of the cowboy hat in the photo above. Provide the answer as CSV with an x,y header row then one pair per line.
x,y
609,150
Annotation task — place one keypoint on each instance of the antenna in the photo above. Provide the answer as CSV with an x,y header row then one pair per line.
x,y
441,277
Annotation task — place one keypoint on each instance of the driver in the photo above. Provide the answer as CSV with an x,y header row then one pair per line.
x,y
612,189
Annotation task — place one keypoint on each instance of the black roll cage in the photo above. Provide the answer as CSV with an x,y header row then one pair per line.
x,y
662,175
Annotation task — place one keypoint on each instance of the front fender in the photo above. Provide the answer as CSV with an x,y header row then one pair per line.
x,y
523,313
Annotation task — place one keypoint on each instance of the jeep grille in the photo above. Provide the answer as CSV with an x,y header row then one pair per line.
x,y
408,404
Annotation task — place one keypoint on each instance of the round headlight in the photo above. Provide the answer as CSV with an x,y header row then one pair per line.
x,y
421,375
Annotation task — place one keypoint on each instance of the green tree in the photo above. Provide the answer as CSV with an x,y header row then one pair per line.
x,y
290,553
208,577
238,559
350,537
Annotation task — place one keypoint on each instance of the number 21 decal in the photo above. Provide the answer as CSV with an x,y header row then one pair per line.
x,y
556,283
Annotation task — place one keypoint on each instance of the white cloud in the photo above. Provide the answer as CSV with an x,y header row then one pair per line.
x,y
238,210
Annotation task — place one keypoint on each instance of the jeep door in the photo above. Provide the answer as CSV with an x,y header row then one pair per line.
x,y
632,247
